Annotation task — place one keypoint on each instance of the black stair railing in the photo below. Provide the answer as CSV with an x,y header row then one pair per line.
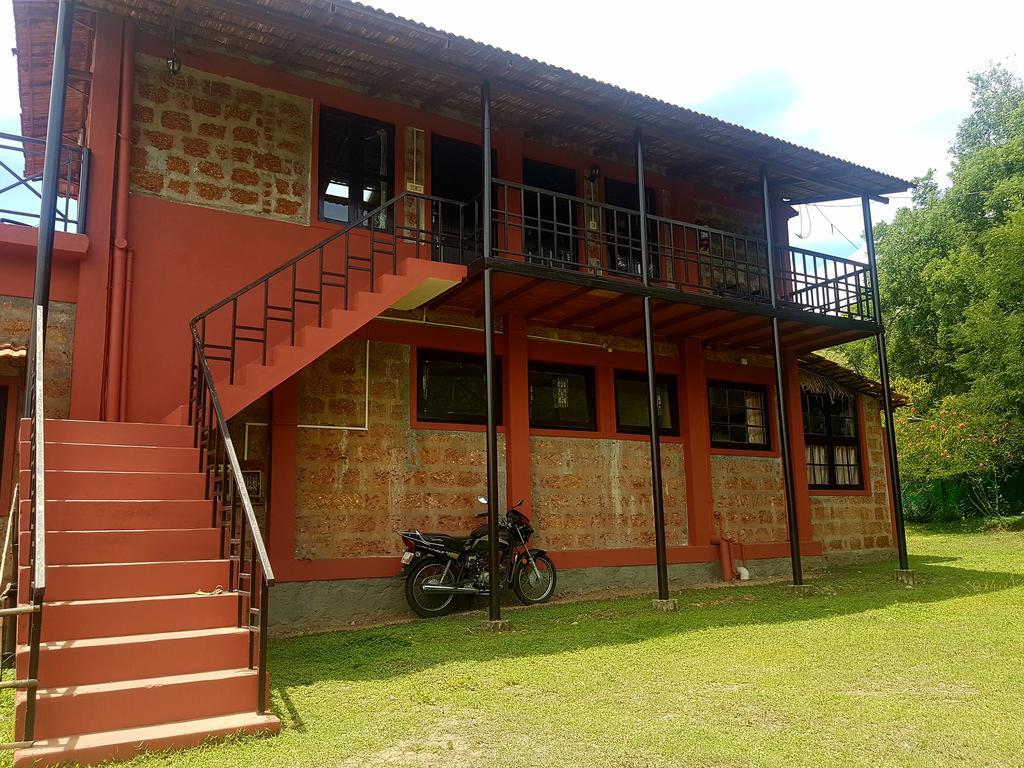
x,y
31,603
321,279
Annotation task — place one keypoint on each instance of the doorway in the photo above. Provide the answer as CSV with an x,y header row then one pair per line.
x,y
548,219
456,173
623,228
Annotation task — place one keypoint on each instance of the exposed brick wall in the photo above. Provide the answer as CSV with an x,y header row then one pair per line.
x,y
729,219
355,489
207,140
596,493
851,523
15,327
748,494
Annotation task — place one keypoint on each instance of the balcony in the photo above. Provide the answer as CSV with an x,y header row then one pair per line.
x,y
575,263
21,177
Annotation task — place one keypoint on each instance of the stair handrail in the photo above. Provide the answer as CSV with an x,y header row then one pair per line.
x,y
225,487
33,602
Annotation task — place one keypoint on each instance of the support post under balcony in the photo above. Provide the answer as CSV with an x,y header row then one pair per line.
x,y
494,584
780,393
657,492
883,374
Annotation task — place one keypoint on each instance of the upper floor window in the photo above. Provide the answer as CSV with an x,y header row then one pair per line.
x,y
631,411
452,387
356,169
739,416
562,397
831,441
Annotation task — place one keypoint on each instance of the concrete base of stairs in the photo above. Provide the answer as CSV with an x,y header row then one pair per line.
x,y
93,748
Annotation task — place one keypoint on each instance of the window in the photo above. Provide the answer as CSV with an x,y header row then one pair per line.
x,y
831,440
739,416
452,387
562,397
631,414
356,167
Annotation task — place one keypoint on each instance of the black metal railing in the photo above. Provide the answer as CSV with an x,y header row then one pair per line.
x,y
31,602
569,233
20,190
320,279
325,276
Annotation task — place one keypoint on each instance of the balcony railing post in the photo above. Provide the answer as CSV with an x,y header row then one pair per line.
x,y
657,491
83,189
780,393
883,374
51,164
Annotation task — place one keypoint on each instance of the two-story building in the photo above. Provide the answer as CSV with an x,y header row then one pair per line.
x,y
322,273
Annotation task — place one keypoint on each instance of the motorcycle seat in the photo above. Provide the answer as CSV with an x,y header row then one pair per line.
x,y
451,543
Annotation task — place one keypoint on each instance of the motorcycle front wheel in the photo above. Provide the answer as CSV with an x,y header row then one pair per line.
x,y
534,583
425,603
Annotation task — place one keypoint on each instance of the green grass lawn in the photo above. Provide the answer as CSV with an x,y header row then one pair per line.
x,y
860,671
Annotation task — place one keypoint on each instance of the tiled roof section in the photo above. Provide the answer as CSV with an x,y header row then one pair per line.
x,y
388,56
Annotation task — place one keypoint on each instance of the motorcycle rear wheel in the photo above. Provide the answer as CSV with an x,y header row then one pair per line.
x,y
427,604
533,587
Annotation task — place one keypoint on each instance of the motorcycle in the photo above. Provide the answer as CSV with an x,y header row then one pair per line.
x,y
438,568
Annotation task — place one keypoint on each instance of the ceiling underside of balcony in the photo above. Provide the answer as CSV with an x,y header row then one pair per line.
x,y
578,302
389,57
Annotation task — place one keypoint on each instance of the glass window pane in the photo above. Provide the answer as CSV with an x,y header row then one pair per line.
x,y
562,398
452,387
742,409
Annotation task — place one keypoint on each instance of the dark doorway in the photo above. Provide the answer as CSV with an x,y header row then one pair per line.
x,y
548,219
623,228
456,173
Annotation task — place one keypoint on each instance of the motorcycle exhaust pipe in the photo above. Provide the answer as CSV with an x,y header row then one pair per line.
x,y
450,590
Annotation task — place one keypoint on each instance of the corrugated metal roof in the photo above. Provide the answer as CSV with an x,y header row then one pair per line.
x,y
388,56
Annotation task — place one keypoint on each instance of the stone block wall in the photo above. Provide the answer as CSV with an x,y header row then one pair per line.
x,y
356,488
203,139
596,493
748,494
15,327
852,523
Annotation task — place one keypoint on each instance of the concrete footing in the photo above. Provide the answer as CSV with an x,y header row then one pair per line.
x,y
501,625
906,577
665,605
801,589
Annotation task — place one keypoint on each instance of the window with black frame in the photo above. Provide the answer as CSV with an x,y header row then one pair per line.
x,y
451,387
631,411
356,168
832,441
739,416
562,397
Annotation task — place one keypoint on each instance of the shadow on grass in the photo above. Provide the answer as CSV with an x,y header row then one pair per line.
x,y
384,653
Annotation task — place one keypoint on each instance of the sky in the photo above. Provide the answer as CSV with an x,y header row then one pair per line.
x,y
883,84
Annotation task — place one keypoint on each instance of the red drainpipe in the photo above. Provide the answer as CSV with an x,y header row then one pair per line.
x,y
119,257
123,405
725,544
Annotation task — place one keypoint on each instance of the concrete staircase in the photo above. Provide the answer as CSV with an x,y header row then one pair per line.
x,y
416,282
141,645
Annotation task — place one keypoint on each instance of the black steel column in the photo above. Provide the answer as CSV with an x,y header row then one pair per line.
x,y
652,388
883,374
51,178
494,607
780,392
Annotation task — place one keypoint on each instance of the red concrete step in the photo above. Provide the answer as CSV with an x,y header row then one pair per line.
x,y
136,657
69,485
77,619
94,748
118,433
145,546
121,458
125,514
102,581
71,710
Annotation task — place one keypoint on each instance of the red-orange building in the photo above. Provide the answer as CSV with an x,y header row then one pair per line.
x,y
276,215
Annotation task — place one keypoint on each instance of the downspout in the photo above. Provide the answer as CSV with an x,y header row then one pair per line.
x,y
119,256
129,272
726,542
